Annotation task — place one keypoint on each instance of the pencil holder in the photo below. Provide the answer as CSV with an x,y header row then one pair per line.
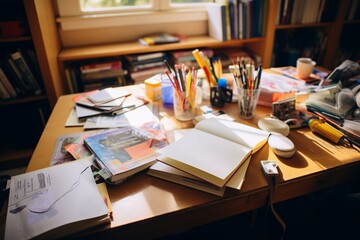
x,y
220,96
184,106
247,101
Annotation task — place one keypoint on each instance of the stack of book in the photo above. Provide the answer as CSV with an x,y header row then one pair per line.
x,y
20,75
101,75
210,157
187,58
143,66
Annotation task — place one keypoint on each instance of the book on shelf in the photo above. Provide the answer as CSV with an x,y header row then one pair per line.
x,y
122,152
7,84
12,77
217,21
18,76
142,66
46,205
100,67
145,57
4,94
214,149
158,38
25,72
103,73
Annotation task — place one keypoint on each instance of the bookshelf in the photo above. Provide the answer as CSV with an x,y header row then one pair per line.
x,y
24,115
264,47
331,27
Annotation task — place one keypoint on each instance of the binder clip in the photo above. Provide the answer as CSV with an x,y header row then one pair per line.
x,y
221,94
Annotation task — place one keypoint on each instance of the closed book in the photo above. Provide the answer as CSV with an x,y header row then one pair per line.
x,y
15,82
18,76
4,94
101,66
217,21
158,38
96,76
26,72
214,150
7,84
126,151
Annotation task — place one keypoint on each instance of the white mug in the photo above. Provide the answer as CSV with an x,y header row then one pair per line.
x,y
304,67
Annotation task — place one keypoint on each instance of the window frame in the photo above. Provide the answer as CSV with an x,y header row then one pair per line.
x,y
72,18
71,8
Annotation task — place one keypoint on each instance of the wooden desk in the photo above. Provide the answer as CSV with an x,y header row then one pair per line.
x,y
151,207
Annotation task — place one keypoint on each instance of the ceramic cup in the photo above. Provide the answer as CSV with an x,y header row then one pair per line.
x,y
304,67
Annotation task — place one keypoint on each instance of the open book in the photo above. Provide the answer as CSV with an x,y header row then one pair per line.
x,y
54,202
214,150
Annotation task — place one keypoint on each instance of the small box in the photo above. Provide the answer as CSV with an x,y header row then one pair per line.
x,y
153,88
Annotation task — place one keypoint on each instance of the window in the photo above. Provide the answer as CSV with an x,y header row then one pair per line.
x,y
133,17
86,7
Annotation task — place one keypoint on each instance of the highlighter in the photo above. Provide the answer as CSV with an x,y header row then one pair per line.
x,y
326,130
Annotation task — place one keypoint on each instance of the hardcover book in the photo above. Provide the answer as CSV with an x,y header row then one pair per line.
x,y
158,38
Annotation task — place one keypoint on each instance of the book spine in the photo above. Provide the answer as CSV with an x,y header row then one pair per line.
x,y
25,86
98,67
7,84
26,72
4,94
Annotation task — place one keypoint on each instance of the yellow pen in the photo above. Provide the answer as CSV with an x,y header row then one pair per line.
x,y
326,130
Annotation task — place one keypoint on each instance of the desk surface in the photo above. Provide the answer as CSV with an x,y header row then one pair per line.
x,y
147,206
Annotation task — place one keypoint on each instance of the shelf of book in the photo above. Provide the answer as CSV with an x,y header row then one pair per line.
x,y
108,50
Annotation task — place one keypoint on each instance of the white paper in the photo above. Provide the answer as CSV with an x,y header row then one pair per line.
x,y
133,118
